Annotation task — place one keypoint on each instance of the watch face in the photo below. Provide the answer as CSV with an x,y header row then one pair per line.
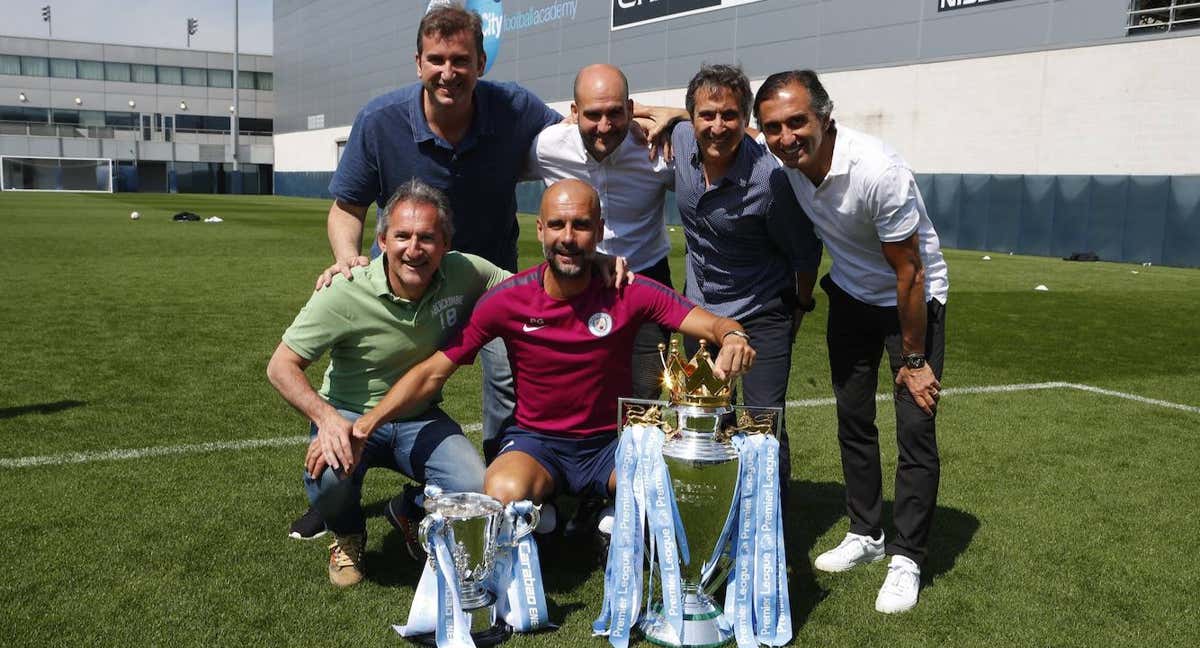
x,y
914,361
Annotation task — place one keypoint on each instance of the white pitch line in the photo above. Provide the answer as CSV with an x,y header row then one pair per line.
x,y
250,444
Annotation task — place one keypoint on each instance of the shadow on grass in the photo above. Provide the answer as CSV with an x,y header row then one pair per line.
x,y
815,507
39,408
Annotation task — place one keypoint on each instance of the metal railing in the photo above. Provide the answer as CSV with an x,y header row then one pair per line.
x,y
110,132
1148,16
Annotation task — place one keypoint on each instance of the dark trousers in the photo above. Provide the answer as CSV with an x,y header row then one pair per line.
x,y
647,364
857,335
766,384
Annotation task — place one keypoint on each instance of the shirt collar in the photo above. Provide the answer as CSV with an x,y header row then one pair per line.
x,y
840,165
739,172
481,123
377,276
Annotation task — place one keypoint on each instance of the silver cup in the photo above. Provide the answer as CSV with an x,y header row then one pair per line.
x,y
472,529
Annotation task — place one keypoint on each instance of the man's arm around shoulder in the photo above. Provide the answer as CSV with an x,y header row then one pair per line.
x,y
344,226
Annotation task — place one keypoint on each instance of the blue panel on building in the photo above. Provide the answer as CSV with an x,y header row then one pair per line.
x,y
1037,215
1181,243
972,220
1146,218
1072,202
945,207
1106,227
309,184
1004,213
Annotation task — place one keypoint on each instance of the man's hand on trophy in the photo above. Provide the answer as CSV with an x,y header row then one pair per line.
x,y
735,358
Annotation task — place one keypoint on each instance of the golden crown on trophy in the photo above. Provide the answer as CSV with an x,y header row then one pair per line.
x,y
693,382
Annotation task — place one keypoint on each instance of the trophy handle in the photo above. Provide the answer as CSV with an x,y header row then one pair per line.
x,y
531,518
423,534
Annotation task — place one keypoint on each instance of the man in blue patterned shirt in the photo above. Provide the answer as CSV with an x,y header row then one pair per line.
x,y
752,255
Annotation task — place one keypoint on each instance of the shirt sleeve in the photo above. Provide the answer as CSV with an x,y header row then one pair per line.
x,y
790,228
533,164
464,345
318,326
894,206
356,180
659,303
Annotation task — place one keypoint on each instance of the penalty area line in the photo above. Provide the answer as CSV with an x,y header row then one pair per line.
x,y
251,444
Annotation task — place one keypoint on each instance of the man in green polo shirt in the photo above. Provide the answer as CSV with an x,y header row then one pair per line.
x,y
392,315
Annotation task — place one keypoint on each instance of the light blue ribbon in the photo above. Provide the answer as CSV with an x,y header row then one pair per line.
x,y
623,570
668,542
453,629
517,578
757,605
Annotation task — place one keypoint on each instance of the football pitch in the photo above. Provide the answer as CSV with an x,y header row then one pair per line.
x,y
150,472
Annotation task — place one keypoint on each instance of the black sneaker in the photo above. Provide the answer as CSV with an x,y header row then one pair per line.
x,y
403,513
308,526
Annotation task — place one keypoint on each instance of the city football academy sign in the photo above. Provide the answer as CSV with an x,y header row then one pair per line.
x,y
628,13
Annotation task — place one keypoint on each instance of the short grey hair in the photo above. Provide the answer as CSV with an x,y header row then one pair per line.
x,y
421,193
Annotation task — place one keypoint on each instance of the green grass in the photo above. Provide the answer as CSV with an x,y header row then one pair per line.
x,y
1062,520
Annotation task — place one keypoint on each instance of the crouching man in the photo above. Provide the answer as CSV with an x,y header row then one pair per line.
x,y
377,326
569,336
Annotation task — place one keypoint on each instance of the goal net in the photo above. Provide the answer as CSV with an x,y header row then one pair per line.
x,y
26,173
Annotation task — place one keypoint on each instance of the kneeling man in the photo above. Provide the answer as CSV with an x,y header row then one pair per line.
x,y
391,316
569,336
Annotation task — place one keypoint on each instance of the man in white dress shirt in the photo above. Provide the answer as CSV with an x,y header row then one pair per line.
x,y
600,150
887,291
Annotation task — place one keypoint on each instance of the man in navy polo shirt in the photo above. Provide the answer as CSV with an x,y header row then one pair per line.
x,y
462,135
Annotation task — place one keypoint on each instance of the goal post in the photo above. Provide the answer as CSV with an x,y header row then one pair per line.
x,y
35,173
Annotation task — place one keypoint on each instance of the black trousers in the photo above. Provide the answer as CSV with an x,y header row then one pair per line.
x,y
857,335
766,384
647,364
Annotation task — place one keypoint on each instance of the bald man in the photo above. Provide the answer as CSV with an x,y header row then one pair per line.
x,y
599,149
569,336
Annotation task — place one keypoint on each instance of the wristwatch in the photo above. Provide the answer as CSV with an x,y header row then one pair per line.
x,y
742,334
914,360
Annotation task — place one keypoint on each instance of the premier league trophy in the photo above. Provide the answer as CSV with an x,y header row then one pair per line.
x,y
704,493
461,534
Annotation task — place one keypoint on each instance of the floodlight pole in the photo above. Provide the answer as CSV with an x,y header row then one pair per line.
x,y
46,18
233,119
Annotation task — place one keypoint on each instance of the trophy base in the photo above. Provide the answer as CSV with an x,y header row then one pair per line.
x,y
700,625
486,629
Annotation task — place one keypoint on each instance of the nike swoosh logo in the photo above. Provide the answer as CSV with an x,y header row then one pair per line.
x,y
529,329
506,446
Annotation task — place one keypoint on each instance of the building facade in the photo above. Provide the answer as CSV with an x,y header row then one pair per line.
x,y
161,115
1035,126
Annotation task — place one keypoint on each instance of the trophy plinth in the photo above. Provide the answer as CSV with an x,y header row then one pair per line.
x,y
472,526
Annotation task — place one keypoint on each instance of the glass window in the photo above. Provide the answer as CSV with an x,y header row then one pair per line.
x,y
216,123
10,64
169,74
195,76
12,113
126,119
116,71
189,122
266,80
65,116
142,73
245,80
91,117
91,70
62,68
220,78
34,66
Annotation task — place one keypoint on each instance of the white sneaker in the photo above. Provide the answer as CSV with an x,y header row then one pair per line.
x,y
900,588
854,550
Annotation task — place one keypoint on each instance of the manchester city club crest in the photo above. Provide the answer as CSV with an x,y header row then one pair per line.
x,y
600,324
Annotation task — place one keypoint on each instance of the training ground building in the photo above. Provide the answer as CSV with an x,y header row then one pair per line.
x,y
1041,127
160,116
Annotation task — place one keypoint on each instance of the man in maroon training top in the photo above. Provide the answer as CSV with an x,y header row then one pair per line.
x,y
569,338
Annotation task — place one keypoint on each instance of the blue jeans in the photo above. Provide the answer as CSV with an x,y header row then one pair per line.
x,y
430,449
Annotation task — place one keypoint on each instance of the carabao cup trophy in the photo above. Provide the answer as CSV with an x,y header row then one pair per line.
x,y
465,536
698,490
